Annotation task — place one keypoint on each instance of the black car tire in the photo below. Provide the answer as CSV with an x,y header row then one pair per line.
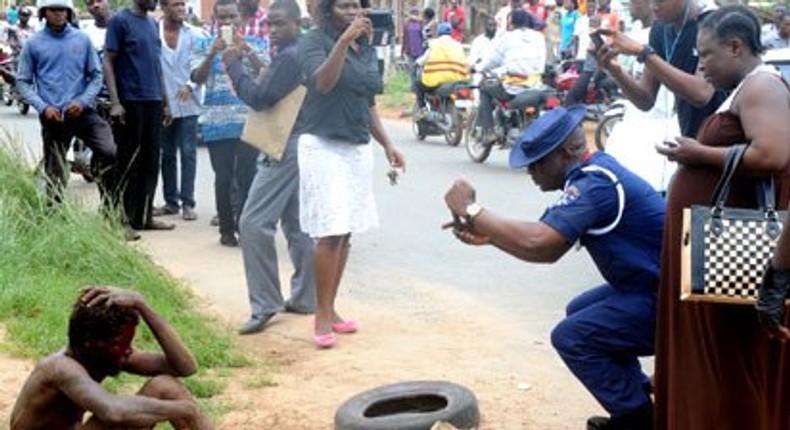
x,y
415,405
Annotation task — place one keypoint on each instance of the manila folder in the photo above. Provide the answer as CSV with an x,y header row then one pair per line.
x,y
269,129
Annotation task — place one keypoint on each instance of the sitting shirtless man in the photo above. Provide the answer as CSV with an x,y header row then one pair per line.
x,y
65,385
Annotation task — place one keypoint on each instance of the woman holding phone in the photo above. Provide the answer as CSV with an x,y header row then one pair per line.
x,y
335,157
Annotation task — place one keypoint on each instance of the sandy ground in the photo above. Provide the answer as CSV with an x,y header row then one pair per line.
x,y
425,332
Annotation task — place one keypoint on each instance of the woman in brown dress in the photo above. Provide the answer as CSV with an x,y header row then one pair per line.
x,y
715,367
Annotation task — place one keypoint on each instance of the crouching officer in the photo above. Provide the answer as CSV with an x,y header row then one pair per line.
x,y
619,218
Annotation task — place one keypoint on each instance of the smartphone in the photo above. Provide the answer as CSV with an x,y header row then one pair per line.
x,y
226,32
597,40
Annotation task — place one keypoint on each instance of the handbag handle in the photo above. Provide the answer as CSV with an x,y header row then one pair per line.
x,y
731,163
765,193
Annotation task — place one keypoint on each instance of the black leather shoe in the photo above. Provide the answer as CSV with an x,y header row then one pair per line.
x,y
640,418
228,240
255,324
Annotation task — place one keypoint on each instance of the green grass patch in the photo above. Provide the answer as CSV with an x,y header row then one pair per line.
x,y
397,90
49,252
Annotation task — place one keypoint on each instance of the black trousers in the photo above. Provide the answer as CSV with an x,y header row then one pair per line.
x,y
490,91
137,170
57,137
234,165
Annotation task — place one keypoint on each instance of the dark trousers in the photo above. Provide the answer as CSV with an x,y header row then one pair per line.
x,y
137,170
234,165
490,90
419,92
57,137
600,340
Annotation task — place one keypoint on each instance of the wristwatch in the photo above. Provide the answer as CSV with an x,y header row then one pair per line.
x,y
647,51
473,210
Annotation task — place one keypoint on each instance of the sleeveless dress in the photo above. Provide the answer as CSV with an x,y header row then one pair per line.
x,y
715,367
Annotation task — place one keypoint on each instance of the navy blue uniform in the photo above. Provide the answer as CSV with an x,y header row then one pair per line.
x,y
619,218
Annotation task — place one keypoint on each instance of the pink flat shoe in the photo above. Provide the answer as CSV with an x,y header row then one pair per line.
x,y
349,326
324,340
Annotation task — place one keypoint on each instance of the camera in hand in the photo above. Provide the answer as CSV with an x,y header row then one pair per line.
x,y
383,26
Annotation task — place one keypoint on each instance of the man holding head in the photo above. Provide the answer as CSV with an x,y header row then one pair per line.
x,y
619,218
66,385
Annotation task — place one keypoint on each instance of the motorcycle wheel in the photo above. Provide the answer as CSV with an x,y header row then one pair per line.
x,y
24,108
455,132
475,148
418,130
604,129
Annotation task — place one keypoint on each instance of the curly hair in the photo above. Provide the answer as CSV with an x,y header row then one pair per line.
x,y
290,7
91,323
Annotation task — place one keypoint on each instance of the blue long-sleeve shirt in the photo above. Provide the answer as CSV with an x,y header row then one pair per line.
x,y
56,68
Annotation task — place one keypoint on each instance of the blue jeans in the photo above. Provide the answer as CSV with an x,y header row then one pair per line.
x,y
180,135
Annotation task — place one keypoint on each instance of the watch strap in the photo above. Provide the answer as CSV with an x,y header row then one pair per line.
x,y
647,51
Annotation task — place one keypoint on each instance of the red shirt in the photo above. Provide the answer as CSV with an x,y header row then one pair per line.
x,y
538,10
458,28
257,25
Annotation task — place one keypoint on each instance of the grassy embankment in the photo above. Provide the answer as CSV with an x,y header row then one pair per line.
x,y
397,96
48,254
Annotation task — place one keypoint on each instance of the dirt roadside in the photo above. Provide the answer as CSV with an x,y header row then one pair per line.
x,y
426,331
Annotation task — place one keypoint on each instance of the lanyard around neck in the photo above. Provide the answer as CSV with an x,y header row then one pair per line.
x,y
669,52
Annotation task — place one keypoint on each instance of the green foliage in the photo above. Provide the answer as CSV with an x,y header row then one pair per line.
x,y
397,90
50,251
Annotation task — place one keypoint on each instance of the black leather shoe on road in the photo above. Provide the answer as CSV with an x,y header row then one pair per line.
x,y
255,324
640,418
228,240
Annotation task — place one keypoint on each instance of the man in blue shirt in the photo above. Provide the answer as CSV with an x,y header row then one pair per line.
x,y
60,76
223,115
274,193
134,82
619,218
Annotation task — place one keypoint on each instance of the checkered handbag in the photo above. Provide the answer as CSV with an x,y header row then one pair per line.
x,y
725,250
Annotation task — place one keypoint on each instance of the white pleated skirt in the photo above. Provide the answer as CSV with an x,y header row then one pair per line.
x,y
336,187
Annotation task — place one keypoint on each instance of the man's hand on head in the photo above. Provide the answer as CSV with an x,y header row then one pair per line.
x,y
107,296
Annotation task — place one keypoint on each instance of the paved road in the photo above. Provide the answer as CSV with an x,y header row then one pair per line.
x,y
409,244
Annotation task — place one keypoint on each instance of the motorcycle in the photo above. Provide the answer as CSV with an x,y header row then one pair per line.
x,y
511,117
10,93
445,112
597,98
609,118
81,160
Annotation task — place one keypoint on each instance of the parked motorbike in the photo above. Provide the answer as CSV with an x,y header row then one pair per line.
x,y
81,160
446,109
609,118
511,117
10,93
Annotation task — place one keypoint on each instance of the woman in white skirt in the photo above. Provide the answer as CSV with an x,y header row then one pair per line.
x,y
335,157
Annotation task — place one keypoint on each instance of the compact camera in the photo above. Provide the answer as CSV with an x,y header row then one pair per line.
x,y
383,26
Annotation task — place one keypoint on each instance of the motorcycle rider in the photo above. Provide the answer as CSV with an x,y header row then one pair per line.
x,y
443,62
62,89
519,58
19,33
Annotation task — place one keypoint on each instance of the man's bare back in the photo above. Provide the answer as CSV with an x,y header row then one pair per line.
x,y
42,406
67,384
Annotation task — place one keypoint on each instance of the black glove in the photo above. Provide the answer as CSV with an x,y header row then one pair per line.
x,y
771,298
